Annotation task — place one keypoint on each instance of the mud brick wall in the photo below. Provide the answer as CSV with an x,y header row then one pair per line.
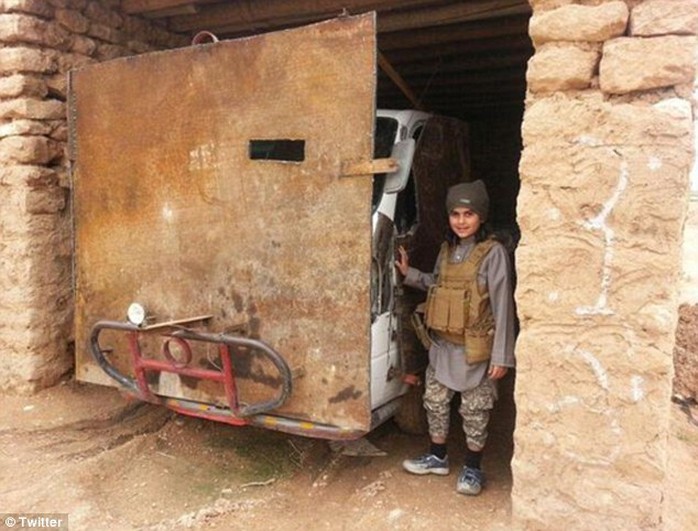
x,y
607,137
40,41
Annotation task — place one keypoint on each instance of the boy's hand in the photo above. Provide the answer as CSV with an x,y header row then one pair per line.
x,y
497,372
403,261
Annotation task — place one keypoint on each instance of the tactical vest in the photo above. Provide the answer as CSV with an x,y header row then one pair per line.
x,y
458,308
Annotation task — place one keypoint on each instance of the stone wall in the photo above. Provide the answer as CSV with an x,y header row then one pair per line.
x,y
607,137
40,41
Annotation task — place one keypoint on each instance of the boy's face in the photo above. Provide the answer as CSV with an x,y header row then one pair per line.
x,y
464,222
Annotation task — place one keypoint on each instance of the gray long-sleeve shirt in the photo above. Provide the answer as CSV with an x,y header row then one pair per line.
x,y
448,359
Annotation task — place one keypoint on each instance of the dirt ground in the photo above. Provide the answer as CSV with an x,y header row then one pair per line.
x,y
110,464
114,464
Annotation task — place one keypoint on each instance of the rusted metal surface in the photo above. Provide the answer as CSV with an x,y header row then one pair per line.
x,y
171,212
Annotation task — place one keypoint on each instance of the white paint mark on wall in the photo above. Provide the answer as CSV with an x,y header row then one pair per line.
x,y
553,296
599,371
636,391
565,401
598,222
654,163
554,214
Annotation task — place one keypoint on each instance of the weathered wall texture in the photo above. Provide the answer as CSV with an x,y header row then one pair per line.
x,y
40,41
607,138
686,349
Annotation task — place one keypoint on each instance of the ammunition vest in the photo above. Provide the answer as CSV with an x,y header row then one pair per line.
x,y
458,308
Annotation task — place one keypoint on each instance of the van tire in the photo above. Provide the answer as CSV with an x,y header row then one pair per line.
x,y
411,417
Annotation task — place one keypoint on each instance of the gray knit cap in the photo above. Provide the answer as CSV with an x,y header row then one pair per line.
x,y
471,195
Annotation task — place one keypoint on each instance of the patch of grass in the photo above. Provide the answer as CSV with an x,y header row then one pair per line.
x,y
265,454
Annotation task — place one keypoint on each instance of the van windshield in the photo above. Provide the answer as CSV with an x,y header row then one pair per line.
x,y
386,129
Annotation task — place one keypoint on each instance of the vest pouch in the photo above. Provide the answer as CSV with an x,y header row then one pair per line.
x,y
478,347
457,310
479,340
478,307
437,308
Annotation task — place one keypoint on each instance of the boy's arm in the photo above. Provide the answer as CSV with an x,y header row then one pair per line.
x,y
498,273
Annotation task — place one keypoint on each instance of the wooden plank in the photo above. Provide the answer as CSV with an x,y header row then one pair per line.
x,y
396,78
251,15
451,14
188,9
462,64
506,44
464,80
177,322
136,7
368,167
467,31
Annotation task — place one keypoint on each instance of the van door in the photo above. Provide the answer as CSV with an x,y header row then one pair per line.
x,y
208,181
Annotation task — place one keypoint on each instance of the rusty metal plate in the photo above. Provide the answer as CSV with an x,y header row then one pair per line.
x,y
175,209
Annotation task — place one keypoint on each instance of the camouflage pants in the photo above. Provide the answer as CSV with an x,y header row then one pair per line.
x,y
475,408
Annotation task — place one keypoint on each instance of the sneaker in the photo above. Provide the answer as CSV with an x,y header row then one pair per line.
x,y
470,481
427,464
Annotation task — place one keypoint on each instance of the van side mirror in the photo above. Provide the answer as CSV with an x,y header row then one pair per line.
x,y
403,153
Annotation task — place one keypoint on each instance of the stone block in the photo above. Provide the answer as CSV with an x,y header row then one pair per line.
x,y
607,207
64,178
58,85
544,266
83,45
45,200
592,121
32,109
59,130
22,85
579,23
27,176
16,28
664,17
106,34
98,12
69,61
72,20
630,64
28,149
138,47
24,127
107,52
24,59
33,7
561,67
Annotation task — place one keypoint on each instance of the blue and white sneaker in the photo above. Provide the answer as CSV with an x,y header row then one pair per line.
x,y
427,464
470,481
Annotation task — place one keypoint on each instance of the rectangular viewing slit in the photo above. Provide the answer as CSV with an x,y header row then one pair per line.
x,y
282,150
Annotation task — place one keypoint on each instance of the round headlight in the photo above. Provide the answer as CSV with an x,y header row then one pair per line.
x,y
136,314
